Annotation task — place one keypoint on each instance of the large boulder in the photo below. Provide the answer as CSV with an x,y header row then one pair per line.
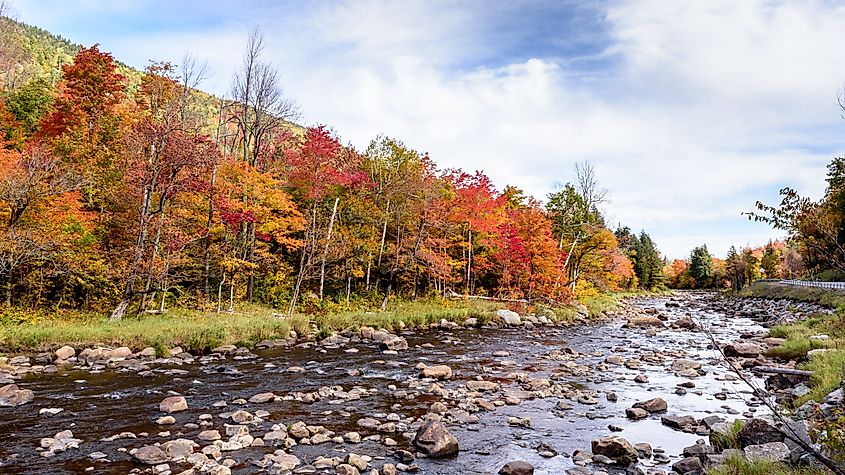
x,y
434,440
150,455
65,352
757,432
517,468
742,350
652,405
179,449
509,317
682,423
688,465
437,372
771,451
173,404
12,396
616,448
394,343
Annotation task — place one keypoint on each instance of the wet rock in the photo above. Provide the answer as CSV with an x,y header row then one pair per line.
x,y
742,350
173,404
636,413
346,469
685,323
509,317
209,435
356,461
150,455
482,386
652,405
643,449
65,353
60,442
242,417
12,396
684,365
641,378
757,432
701,451
517,468
166,420
262,398
434,440
441,372
389,469
520,421
683,423
771,451
179,449
395,343
688,465
615,448
546,450
643,322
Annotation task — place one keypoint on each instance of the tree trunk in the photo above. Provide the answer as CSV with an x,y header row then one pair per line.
x,y
468,291
140,248
326,248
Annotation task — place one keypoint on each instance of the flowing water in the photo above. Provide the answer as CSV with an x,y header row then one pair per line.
x,y
97,405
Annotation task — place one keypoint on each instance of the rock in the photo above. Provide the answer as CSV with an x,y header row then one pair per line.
x,y
509,317
683,365
636,413
388,469
150,455
517,468
688,465
166,420
434,440
12,396
520,421
652,405
742,350
119,353
346,469
482,386
771,451
643,322
641,378
685,323
644,449
684,423
179,449
757,432
209,435
65,352
395,343
616,448
241,417
261,398
173,404
441,372
698,450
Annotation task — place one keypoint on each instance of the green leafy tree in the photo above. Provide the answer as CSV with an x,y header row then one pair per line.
x,y
701,266
648,266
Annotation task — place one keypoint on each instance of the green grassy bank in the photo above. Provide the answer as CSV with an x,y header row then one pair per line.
x,y
827,366
199,331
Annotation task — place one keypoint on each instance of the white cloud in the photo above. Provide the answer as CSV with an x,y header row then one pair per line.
x,y
703,108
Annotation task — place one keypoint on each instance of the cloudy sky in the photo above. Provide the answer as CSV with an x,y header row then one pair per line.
x,y
689,111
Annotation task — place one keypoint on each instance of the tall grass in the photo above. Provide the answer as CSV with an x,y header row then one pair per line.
x,y
740,466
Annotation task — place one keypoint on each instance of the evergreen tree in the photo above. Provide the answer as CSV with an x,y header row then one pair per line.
x,y
648,264
701,266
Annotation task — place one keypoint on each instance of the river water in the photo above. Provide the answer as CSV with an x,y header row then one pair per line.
x,y
110,402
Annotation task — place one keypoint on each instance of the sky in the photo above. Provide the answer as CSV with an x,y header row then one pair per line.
x,y
689,111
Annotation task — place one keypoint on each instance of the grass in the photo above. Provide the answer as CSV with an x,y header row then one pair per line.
x,y
827,367
727,440
199,331
741,466
828,371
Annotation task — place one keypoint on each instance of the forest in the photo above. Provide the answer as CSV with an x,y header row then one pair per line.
x,y
126,192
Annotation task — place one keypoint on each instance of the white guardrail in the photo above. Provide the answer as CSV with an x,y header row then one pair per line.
x,y
810,283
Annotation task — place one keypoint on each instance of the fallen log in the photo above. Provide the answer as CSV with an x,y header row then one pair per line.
x,y
785,371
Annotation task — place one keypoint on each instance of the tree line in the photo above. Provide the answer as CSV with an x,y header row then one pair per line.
x,y
130,196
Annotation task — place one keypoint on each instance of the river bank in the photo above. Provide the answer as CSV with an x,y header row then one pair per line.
x,y
528,392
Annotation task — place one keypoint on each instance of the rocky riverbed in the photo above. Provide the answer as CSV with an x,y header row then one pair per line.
x,y
374,402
